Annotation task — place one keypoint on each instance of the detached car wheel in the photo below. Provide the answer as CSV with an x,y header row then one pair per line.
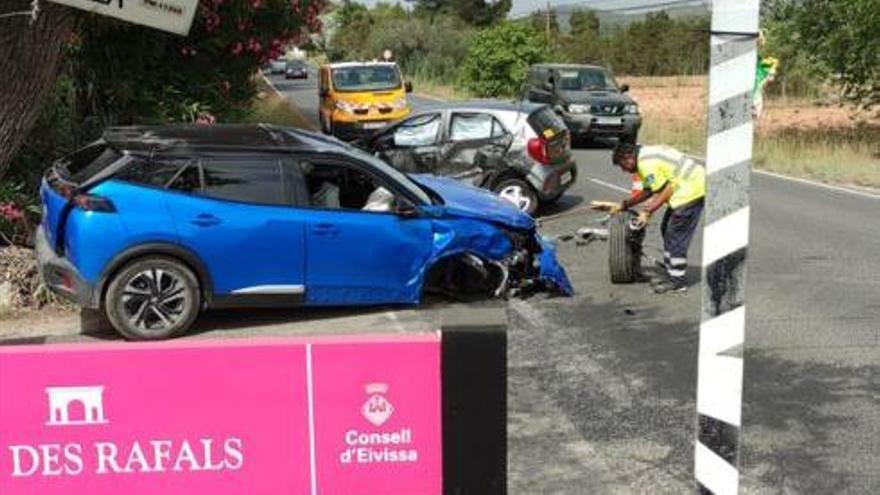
x,y
152,298
518,192
625,249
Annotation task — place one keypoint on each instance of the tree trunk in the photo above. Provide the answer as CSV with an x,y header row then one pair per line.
x,y
30,59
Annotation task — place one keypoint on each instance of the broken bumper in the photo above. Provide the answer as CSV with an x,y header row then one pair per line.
x,y
551,272
531,267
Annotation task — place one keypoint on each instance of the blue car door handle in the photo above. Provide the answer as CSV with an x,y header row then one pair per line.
x,y
325,229
206,220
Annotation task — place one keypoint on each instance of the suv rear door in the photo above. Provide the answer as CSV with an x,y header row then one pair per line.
x,y
236,213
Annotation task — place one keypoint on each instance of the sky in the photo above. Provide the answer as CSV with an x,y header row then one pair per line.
x,y
521,7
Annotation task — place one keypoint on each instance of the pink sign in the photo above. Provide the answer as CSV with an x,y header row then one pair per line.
x,y
373,421
323,416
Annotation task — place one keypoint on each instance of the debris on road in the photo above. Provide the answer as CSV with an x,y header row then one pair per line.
x,y
592,233
584,236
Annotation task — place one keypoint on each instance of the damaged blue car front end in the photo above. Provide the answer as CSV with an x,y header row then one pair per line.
x,y
483,243
468,242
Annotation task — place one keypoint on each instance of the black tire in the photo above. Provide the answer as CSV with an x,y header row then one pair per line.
x,y
134,305
518,192
623,257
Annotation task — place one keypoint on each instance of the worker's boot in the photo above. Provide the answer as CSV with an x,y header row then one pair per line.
x,y
670,285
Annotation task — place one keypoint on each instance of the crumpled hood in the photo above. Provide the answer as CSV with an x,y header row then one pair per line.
x,y
467,201
596,97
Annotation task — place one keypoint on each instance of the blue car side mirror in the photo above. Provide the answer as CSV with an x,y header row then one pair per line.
x,y
407,210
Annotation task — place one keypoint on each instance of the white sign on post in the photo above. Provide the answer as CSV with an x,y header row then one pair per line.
x,y
174,16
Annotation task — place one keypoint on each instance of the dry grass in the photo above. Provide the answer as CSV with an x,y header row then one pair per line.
x,y
21,288
835,144
439,90
271,108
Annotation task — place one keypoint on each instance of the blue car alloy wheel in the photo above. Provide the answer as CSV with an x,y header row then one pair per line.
x,y
152,298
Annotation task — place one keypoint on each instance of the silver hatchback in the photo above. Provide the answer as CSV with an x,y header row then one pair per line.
x,y
521,151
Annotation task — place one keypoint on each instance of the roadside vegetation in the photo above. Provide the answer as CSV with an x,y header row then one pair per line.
x,y
798,136
819,120
270,107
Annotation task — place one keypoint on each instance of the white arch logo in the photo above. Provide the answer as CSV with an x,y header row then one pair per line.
x,y
91,399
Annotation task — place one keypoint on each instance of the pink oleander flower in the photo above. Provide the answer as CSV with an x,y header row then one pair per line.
x,y
206,118
10,211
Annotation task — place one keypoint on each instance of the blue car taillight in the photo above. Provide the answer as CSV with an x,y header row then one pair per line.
x,y
91,202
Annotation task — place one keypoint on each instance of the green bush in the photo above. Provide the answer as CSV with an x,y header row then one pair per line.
x,y
499,57
430,48
128,74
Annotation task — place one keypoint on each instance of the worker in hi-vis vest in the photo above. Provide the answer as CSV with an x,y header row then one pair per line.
x,y
671,178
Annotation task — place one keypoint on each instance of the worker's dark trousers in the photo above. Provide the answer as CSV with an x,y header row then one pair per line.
x,y
678,229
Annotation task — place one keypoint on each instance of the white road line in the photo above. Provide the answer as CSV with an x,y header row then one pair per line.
x,y
856,192
271,85
608,184
293,105
842,189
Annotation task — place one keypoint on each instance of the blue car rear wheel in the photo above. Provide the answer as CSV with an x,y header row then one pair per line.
x,y
152,298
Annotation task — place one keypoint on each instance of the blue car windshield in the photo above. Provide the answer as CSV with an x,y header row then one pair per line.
x,y
397,176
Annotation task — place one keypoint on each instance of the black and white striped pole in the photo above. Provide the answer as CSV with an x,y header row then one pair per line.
x,y
725,242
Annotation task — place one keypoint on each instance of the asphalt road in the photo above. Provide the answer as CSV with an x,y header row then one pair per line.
x,y
602,385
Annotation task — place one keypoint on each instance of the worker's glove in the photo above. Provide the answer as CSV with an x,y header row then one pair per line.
x,y
609,206
641,221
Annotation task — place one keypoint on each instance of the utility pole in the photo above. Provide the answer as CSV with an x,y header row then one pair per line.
x,y
547,23
725,244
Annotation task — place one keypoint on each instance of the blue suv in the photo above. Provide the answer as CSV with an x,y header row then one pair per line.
x,y
154,224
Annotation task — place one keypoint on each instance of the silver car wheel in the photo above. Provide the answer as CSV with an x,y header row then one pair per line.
x,y
515,194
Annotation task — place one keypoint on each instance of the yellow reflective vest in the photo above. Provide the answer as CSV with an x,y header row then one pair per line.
x,y
661,165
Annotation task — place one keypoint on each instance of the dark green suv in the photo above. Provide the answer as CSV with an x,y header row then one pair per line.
x,y
587,98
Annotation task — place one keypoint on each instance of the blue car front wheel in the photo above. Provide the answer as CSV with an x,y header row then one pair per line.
x,y
152,298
